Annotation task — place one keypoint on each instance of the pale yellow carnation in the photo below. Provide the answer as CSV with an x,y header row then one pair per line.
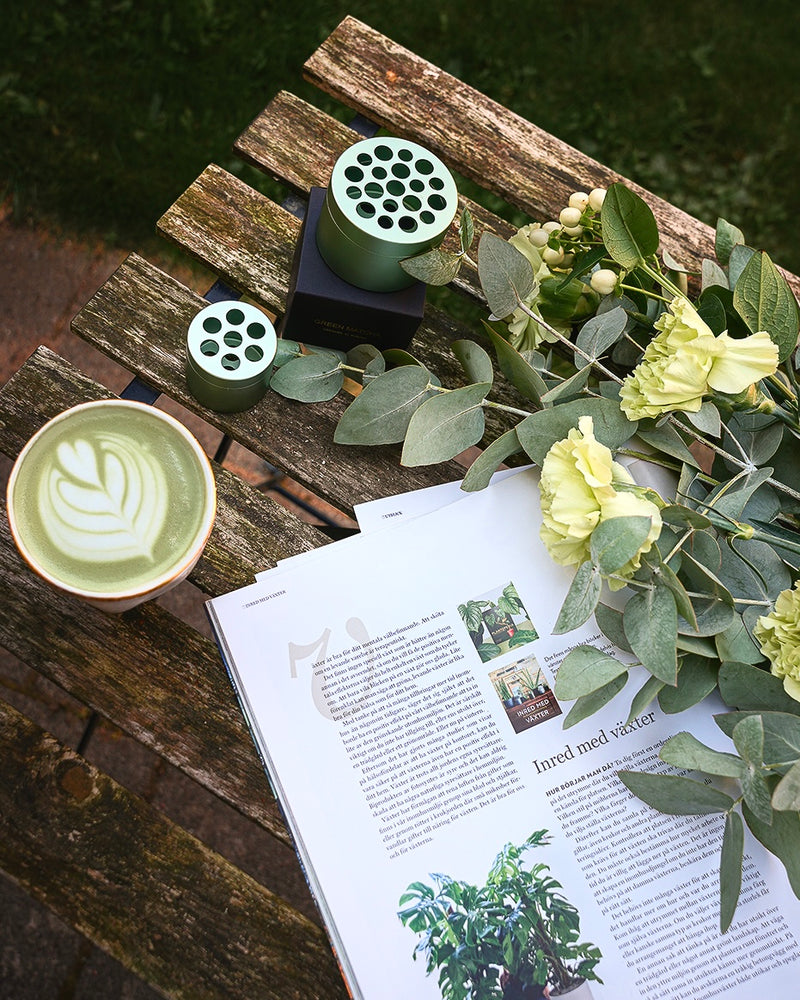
x,y
685,362
578,491
778,635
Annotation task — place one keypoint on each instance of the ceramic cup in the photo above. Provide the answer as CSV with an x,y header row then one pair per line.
x,y
112,502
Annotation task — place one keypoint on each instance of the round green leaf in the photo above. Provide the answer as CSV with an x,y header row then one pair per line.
x,y
685,751
616,541
486,464
787,792
591,703
673,794
586,669
445,425
650,619
581,599
522,375
311,378
540,431
434,267
474,360
506,276
380,414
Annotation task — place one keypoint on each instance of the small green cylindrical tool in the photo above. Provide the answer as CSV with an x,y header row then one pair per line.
x,y
229,350
387,199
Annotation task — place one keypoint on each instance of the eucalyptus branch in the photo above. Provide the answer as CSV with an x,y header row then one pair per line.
x,y
568,343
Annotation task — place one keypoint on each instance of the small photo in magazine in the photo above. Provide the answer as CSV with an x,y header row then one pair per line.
x,y
497,622
525,693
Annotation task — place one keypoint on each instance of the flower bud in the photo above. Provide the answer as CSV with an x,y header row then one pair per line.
x,y
552,227
596,198
579,200
604,281
573,230
570,217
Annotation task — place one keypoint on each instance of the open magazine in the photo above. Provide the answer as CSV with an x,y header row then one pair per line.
x,y
399,688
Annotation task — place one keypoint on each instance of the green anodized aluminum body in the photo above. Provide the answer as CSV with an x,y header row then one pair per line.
x,y
387,199
229,350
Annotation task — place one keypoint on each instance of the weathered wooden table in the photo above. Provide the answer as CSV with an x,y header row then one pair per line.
x,y
183,918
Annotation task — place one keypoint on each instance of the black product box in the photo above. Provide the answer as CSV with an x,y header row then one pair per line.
x,y
324,310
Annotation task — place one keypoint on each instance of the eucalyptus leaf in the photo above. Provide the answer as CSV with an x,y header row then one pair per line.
x,y
686,751
707,419
609,621
787,792
569,388
368,357
629,229
445,425
434,267
644,696
519,372
591,703
757,795
736,643
506,276
584,670
726,237
730,869
617,540
712,274
781,837
697,678
762,297
676,795
581,599
601,331
540,431
311,378
380,414
667,439
684,517
474,360
747,687
713,617
479,474
651,625
748,738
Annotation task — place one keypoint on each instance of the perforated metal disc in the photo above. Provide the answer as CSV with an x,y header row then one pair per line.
x,y
387,198
230,347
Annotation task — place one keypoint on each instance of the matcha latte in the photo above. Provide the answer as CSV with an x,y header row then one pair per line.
x,y
113,501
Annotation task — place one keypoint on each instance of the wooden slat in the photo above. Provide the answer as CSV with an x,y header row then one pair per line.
x,y
475,135
317,142
141,315
175,913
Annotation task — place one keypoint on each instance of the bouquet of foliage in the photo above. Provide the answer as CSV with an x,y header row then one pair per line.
x,y
614,359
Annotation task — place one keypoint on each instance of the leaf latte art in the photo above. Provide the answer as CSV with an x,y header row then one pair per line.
x,y
104,499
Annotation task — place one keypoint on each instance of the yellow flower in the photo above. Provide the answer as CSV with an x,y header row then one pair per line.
x,y
577,489
685,362
778,635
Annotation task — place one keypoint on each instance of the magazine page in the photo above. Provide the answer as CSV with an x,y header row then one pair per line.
x,y
411,733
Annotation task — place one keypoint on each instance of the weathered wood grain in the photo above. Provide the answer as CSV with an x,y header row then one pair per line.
x,y
168,908
478,137
317,142
140,316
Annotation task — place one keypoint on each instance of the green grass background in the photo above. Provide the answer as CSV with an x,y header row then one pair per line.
x,y
110,108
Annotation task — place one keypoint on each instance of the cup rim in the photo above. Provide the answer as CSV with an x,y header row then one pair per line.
x,y
198,541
